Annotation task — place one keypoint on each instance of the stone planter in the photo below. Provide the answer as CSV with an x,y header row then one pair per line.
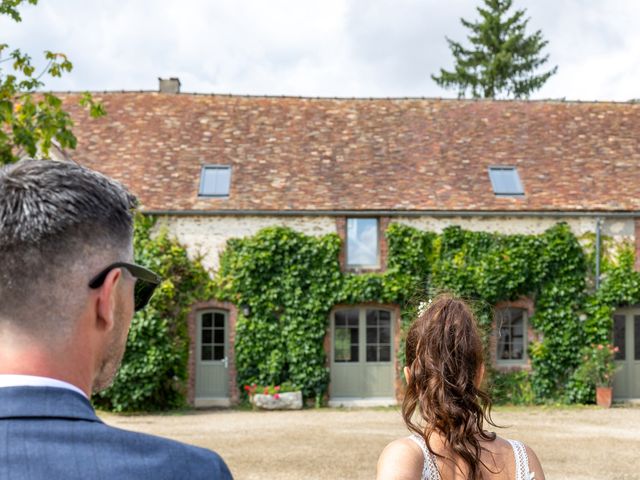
x,y
285,401
604,396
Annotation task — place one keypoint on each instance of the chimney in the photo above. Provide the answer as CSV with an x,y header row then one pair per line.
x,y
169,85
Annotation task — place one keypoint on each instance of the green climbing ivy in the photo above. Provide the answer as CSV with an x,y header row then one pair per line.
x,y
620,287
290,282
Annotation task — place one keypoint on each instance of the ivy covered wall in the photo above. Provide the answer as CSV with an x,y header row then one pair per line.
x,y
291,281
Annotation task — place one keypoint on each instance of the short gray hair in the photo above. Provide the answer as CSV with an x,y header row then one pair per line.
x,y
55,216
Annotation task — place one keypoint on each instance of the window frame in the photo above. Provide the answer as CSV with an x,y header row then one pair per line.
x,y
362,335
356,266
525,339
200,344
204,168
511,168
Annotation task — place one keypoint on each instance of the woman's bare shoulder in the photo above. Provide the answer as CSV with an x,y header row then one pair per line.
x,y
498,457
402,459
501,445
534,463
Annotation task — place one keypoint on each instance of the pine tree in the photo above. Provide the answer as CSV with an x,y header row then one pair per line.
x,y
503,59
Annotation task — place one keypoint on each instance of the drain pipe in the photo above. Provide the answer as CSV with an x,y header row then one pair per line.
x,y
598,233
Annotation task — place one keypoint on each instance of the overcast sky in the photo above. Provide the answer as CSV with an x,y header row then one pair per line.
x,y
342,48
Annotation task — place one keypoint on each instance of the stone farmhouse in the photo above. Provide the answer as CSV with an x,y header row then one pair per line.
x,y
214,167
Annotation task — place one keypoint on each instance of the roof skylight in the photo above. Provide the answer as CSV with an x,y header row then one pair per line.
x,y
505,181
215,181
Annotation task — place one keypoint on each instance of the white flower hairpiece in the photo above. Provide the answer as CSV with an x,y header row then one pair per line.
x,y
422,307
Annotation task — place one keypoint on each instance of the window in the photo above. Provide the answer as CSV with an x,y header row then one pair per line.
x,y
512,336
362,242
362,335
346,335
378,336
505,181
215,181
212,337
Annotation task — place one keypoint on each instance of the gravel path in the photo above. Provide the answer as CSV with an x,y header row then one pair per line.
x,y
572,443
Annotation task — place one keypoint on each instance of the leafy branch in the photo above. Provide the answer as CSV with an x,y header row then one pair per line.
x,y
32,123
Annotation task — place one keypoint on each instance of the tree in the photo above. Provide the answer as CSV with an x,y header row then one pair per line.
x,y
503,59
30,123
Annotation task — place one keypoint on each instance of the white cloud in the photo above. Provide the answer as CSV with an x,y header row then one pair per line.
x,y
324,48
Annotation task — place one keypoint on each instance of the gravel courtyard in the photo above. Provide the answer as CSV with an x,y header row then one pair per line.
x,y
572,443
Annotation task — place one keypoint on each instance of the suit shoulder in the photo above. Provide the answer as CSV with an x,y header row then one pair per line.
x,y
197,461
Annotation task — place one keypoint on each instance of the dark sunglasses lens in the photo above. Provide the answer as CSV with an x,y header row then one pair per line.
x,y
143,292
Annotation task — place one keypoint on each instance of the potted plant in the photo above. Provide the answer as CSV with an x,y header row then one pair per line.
x,y
598,369
274,397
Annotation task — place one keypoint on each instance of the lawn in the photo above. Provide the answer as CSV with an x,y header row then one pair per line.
x,y
577,443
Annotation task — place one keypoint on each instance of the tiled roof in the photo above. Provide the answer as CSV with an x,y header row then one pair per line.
x,y
364,154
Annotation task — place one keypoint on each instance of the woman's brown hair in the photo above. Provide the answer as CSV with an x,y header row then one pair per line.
x,y
444,355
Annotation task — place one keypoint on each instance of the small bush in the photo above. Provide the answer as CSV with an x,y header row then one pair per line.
x,y
512,388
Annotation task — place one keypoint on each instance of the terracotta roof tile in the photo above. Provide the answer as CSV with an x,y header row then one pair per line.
x,y
364,154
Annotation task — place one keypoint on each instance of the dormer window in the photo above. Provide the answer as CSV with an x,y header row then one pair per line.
x,y
215,181
362,243
505,181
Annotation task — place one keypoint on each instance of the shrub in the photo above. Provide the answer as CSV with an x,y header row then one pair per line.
x,y
511,388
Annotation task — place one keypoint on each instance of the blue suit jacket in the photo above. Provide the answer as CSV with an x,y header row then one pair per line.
x,y
53,433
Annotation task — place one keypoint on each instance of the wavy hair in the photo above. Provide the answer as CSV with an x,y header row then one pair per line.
x,y
444,354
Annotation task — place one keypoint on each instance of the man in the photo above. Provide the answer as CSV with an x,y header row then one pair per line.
x,y
68,290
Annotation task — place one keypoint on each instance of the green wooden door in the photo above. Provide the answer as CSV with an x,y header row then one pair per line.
x,y
362,353
626,336
212,378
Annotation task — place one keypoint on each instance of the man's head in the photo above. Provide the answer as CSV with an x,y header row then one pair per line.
x,y
60,224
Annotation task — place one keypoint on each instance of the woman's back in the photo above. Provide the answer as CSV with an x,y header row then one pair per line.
x,y
445,403
409,459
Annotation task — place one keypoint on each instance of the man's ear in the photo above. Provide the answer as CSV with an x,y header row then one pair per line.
x,y
107,300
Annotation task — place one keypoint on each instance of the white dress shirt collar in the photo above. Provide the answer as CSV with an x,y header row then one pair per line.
x,y
10,380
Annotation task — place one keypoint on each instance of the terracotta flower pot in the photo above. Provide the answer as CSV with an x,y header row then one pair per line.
x,y
604,396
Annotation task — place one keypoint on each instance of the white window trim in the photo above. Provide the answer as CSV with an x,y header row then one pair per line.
x,y
201,187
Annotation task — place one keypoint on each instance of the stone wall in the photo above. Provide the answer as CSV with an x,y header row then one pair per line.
x,y
619,229
208,234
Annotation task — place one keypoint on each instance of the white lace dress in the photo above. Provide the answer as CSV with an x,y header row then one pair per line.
x,y
430,470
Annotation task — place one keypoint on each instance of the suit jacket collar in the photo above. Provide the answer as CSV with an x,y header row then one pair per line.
x,y
45,402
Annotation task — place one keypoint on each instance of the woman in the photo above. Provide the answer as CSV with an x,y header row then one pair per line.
x,y
445,408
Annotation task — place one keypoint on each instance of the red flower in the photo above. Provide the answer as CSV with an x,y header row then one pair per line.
x,y
600,347
266,390
277,388
247,388
276,396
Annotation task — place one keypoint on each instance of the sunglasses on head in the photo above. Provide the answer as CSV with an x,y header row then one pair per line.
x,y
146,283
